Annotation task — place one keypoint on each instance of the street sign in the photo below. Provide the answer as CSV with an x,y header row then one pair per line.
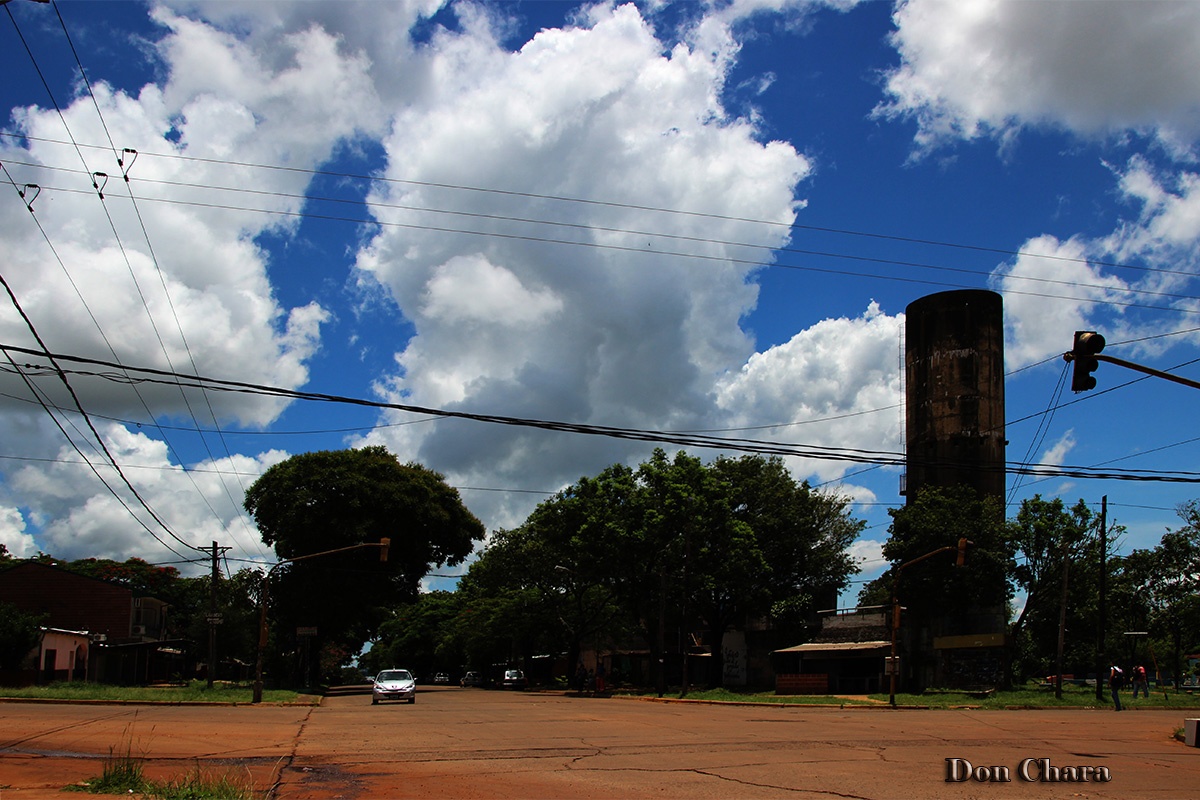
x,y
214,619
306,630
890,664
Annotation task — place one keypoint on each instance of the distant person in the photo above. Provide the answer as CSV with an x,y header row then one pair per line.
x,y
1116,679
600,685
581,677
1140,682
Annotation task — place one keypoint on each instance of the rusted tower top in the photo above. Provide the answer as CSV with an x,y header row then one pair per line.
x,y
954,376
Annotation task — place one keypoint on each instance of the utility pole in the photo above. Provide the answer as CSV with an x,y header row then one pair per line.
x,y
1102,666
662,629
214,617
1062,621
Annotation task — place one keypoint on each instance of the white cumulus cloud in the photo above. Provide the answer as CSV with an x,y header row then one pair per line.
x,y
989,67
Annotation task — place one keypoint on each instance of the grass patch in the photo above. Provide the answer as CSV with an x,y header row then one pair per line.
x,y
1023,697
124,776
728,695
1033,697
194,691
123,773
201,785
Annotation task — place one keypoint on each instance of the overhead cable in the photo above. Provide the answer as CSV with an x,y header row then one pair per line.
x,y
826,453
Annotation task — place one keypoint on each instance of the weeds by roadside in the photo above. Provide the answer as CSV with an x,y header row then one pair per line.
x,y
1031,697
124,774
193,692
1019,697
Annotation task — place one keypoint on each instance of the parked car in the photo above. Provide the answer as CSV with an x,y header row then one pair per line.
x,y
394,684
472,679
513,679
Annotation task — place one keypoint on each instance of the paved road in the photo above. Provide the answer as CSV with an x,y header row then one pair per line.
x,y
482,744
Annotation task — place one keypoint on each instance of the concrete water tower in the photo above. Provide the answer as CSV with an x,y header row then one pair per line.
x,y
954,392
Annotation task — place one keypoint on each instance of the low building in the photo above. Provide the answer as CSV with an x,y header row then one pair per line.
x,y
848,655
126,633
62,655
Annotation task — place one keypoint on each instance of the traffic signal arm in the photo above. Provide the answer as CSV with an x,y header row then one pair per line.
x,y
1120,362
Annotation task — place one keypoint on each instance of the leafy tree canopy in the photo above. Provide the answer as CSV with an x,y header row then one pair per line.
x,y
141,577
675,543
1162,588
316,502
936,518
19,633
1050,537
335,498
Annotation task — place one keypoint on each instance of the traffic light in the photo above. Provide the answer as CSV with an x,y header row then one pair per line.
x,y
962,552
384,544
1083,354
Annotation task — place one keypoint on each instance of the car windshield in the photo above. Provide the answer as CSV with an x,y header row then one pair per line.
x,y
393,675
513,673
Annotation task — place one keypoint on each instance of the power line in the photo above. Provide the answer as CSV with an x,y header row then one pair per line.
x,y
94,177
816,452
162,280
773,224
590,228
29,323
61,374
707,257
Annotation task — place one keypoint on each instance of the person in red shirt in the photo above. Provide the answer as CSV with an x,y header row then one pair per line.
x,y
1140,682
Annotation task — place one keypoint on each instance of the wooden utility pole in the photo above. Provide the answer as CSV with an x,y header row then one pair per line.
x,y
214,617
1102,661
1062,622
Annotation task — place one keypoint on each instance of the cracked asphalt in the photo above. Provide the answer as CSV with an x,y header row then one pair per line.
x,y
472,743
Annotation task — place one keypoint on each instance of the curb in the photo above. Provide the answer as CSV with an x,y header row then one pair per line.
x,y
316,701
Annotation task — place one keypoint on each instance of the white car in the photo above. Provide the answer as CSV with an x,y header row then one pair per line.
x,y
394,684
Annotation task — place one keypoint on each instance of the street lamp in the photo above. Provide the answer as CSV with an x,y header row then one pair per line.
x,y
384,544
961,548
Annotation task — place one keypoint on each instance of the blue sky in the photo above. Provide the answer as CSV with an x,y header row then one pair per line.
x,y
662,216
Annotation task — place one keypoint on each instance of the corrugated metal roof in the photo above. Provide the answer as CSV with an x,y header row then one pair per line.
x,y
834,647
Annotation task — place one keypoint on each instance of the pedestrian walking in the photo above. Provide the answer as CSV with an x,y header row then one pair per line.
x,y
1116,679
1140,682
581,677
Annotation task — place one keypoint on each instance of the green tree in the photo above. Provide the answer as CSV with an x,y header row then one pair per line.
x,y
237,604
20,632
415,636
940,598
142,578
939,517
711,564
561,578
673,548
804,536
322,501
1048,536
1162,587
